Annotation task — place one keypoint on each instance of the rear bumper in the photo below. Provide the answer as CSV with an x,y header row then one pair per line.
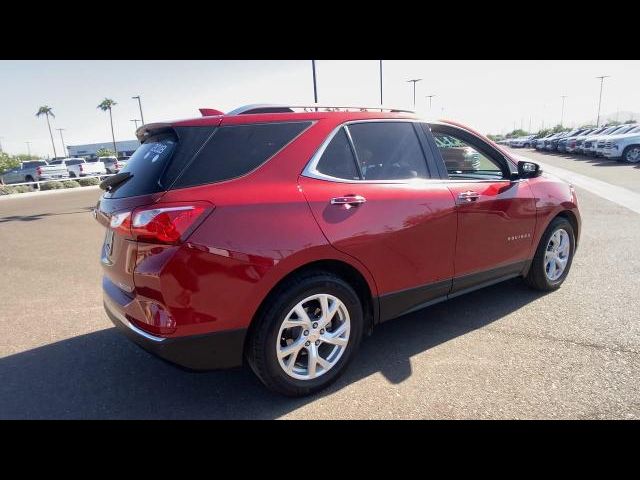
x,y
212,351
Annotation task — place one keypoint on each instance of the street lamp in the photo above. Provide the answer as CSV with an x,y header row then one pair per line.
x,y
139,105
429,97
562,115
601,77
381,82
1,144
64,149
28,148
136,122
415,80
315,86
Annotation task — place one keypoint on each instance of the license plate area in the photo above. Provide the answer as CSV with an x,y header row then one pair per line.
x,y
108,244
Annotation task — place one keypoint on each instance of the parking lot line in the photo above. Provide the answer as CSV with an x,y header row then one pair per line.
x,y
620,195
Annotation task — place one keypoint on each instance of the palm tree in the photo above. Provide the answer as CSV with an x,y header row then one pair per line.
x,y
48,111
105,105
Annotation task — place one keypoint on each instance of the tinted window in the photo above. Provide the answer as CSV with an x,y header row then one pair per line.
x,y
146,165
388,151
235,150
74,162
464,160
338,160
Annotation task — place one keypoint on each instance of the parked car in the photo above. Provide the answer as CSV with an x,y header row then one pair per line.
x,y
113,164
572,141
546,144
538,143
287,235
522,142
600,145
591,142
625,147
80,167
33,171
579,146
561,145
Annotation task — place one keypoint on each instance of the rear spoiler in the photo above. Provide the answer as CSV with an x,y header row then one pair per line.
x,y
145,131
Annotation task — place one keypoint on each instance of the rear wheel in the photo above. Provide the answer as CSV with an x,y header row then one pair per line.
x,y
552,261
631,154
306,335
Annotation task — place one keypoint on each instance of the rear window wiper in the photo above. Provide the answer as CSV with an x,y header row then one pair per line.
x,y
110,183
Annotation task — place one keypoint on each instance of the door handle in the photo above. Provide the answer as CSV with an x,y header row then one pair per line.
x,y
468,196
348,200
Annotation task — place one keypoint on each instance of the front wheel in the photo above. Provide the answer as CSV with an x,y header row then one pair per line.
x,y
631,154
552,261
307,334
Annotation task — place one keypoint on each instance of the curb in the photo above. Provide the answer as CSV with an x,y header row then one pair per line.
x,y
47,192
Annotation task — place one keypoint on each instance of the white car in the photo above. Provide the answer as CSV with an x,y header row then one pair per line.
x,y
591,142
522,142
624,148
600,145
79,167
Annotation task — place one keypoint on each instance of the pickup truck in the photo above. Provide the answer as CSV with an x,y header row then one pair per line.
x,y
33,171
79,167
112,164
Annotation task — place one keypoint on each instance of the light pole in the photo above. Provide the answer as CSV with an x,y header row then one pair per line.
x,y
136,122
429,97
139,105
562,114
28,148
381,83
64,149
1,144
415,80
601,77
315,86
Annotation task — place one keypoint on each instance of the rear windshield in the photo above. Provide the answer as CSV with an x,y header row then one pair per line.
x,y
189,156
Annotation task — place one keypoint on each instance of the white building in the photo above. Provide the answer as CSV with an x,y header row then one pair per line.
x,y
125,148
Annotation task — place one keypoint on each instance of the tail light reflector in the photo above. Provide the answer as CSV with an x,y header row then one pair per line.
x,y
38,171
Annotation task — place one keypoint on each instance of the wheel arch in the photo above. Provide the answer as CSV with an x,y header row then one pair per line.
x,y
340,268
573,220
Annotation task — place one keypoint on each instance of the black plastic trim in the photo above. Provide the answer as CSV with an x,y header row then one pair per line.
x,y
195,352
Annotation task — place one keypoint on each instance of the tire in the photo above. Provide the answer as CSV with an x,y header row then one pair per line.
x,y
631,154
538,277
72,175
269,335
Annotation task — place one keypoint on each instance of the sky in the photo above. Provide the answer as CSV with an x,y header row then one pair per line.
x,y
490,96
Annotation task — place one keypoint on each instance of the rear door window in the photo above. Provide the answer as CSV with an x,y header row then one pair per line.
x,y
337,159
388,151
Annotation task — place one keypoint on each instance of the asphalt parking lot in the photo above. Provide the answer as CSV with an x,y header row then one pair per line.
x,y
502,352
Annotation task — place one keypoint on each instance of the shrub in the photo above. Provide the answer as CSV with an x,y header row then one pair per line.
x,y
51,186
70,184
9,189
85,182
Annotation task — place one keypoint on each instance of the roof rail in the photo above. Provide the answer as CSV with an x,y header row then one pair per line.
x,y
272,108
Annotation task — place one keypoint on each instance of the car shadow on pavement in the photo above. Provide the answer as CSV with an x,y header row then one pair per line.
x,y
103,375
39,216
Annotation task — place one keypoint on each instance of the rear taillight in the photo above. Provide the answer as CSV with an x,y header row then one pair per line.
x,y
166,223
38,171
81,167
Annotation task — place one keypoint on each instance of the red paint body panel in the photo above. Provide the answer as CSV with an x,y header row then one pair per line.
x,y
495,229
404,233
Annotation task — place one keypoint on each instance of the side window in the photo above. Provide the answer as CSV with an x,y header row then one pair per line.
x,y
464,161
235,150
388,151
338,160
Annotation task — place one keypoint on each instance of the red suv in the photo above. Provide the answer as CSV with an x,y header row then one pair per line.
x,y
282,234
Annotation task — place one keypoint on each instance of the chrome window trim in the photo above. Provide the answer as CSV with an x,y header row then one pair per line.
x,y
311,171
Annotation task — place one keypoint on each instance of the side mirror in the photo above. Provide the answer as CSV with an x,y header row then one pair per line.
x,y
529,170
